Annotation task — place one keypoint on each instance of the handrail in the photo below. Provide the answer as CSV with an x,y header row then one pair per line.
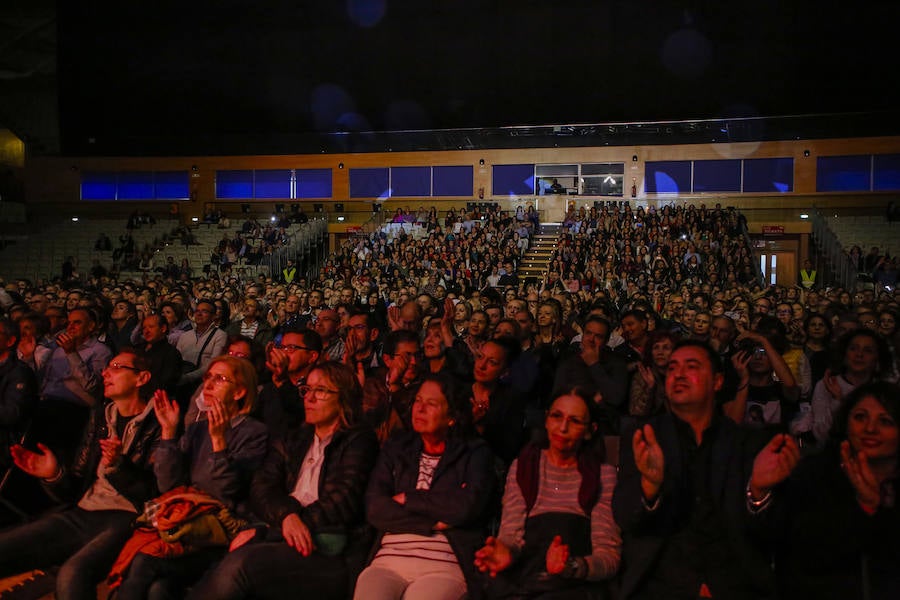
x,y
760,278
844,272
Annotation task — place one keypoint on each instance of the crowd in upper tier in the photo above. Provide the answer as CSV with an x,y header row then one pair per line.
x,y
645,420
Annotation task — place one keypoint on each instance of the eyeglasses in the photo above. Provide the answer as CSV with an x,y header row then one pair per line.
x,y
114,366
319,392
238,354
560,417
291,348
216,378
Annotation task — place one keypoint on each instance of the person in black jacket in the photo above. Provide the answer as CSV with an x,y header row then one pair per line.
x,y
163,358
834,522
309,492
112,476
18,391
429,498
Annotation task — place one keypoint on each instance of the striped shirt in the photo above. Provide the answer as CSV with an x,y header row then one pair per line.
x,y
410,545
558,492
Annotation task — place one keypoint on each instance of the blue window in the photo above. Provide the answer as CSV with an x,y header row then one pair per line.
x,y
887,172
370,183
668,177
235,185
172,185
135,186
513,180
272,184
410,181
769,175
452,181
843,173
313,183
98,186
717,175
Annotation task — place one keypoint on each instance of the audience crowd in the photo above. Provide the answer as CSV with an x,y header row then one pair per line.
x,y
645,420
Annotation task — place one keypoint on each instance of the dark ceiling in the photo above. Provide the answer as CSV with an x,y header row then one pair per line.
x,y
233,77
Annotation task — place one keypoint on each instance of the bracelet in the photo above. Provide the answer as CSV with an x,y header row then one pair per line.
x,y
743,387
757,504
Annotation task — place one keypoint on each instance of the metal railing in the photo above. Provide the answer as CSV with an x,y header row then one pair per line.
x,y
760,278
306,247
843,272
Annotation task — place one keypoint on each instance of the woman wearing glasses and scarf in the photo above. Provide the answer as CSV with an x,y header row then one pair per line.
x,y
309,492
217,455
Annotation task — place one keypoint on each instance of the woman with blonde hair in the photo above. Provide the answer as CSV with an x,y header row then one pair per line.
x,y
217,455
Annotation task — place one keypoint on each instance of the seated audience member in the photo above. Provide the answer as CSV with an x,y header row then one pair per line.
x,y
35,344
123,321
290,363
389,392
71,383
682,492
597,368
865,357
427,498
309,492
251,325
648,386
836,518
498,412
327,325
113,477
178,323
198,347
217,456
163,358
767,393
439,352
557,534
18,391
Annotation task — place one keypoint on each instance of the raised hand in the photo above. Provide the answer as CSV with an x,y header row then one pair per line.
x,y
493,557
647,375
167,413
277,362
393,315
856,468
649,459
297,534
832,385
557,555
218,418
773,464
42,464
66,342
740,360
27,346
110,451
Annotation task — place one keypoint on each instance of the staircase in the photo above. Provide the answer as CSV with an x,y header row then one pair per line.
x,y
537,257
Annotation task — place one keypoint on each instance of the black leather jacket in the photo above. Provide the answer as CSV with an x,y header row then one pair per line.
x,y
349,459
133,475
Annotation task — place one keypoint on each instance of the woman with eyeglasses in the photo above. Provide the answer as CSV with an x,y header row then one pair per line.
x,y
218,456
309,492
557,535
428,498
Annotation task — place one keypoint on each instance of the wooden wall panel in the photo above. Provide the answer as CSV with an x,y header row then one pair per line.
x,y
55,181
